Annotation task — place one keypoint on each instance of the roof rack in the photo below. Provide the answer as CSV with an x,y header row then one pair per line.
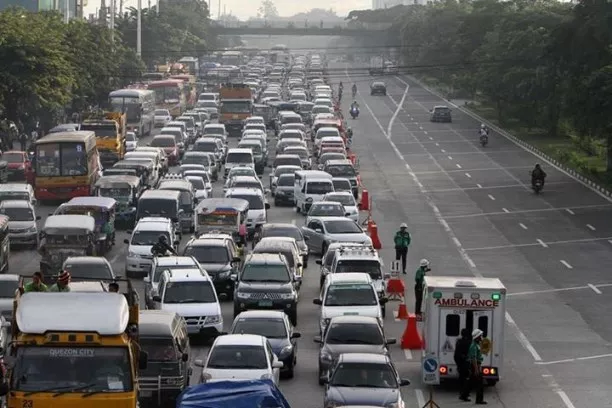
x,y
357,248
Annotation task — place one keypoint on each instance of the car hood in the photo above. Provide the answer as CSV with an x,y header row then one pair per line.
x,y
337,349
278,345
234,374
327,312
192,309
141,250
18,225
360,238
215,267
379,397
256,287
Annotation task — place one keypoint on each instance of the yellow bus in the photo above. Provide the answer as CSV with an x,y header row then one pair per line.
x,y
66,165
169,95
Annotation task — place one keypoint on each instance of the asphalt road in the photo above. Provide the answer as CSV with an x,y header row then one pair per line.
x,y
551,251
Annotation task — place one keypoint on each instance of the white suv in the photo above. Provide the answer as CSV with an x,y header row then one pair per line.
x,y
145,235
191,294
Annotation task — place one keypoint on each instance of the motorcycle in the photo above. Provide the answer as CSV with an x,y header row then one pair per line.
x,y
354,113
537,185
484,140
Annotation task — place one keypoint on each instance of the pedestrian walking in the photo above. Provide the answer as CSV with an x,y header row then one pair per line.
x,y
475,361
23,141
419,280
402,242
462,347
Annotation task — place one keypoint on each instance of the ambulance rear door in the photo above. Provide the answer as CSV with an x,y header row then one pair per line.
x,y
483,320
452,320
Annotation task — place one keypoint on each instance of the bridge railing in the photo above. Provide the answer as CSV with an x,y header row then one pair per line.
x,y
304,24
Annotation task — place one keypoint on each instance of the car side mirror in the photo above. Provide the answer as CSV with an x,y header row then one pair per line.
x,y
236,259
347,214
383,300
185,357
267,206
317,339
234,278
306,238
126,241
175,219
278,364
404,382
391,340
299,265
143,360
199,363
319,262
177,243
296,335
317,302
157,298
147,279
319,230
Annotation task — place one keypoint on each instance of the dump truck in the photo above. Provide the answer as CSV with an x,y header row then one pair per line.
x,y
110,129
74,349
236,106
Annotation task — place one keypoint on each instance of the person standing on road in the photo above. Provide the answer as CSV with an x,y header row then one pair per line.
x,y
475,360
402,242
462,347
419,280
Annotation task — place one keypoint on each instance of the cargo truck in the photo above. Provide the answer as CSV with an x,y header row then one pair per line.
x,y
236,106
455,303
376,65
110,129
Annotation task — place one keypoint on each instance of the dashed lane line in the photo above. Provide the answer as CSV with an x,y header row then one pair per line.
x,y
570,211
542,243
450,157
420,397
570,241
479,185
571,288
572,360
523,226
452,171
491,197
595,288
589,226
485,214
458,166
504,209
408,354
468,175
566,264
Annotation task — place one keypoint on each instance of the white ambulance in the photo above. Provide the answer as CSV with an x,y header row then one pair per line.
x,y
451,304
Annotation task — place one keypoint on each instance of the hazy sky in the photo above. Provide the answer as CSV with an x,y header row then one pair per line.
x,y
244,9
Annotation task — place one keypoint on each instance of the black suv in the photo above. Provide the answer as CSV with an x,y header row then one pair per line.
x,y
266,283
378,88
441,113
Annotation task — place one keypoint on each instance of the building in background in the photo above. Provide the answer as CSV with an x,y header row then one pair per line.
x,y
74,7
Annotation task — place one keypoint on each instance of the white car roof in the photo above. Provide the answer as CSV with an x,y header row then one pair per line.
x,y
240,339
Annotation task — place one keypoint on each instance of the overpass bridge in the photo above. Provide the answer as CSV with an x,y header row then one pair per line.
x,y
297,29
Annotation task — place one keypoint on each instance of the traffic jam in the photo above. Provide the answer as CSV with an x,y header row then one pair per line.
x,y
220,212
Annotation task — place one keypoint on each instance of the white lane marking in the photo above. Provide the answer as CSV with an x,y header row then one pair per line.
x,y
522,211
458,166
522,338
438,215
570,211
595,289
589,226
491,197
420,397
468,175
542,243
408,354
451,171
421,127
437,144
540,292
571,360
449,157
610,241
425,132
567,265
505,210
416,123
457,242
571,241
444,151
430,138
523,226
478,185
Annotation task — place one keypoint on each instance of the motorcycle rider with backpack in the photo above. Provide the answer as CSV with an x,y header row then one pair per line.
x,y
537,175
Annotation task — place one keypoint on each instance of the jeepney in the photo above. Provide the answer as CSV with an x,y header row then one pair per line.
x,y
144,170
223,215
125,190
64,236
187,201
102,209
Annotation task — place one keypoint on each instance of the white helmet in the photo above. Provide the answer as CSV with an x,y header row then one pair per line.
x,y
424,262
403,225
482,126
476,334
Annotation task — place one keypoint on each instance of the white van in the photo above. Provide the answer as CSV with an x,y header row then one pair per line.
x,y
238,157
257,214
310,186
345,294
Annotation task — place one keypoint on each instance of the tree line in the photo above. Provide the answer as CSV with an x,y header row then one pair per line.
x,y
49,69
539,64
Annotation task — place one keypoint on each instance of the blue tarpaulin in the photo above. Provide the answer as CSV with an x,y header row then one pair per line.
x,y
233,394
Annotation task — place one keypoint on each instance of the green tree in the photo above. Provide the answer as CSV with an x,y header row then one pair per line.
x,y
267,10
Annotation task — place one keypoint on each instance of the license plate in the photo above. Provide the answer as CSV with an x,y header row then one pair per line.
x,y
145,394
265,303
351,314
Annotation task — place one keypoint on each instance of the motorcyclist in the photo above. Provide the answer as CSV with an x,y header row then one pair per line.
x,y
349,133
484,130
161,247
538,174
355,105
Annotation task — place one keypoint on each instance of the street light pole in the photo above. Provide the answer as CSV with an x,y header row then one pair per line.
x,y
112,21
139,30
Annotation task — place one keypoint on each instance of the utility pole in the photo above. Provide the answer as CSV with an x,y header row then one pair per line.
x,y
219,11
113,5
121,7
66,11
157,6
139,30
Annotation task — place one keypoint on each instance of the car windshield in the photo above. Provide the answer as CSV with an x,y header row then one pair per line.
x,y
8,288
207,147
287,161
271,249
352,333
241,171
237,357
239,157
14,195
346,200
342,227
158,349
148,237
319,187
163,142
341,171
18,213
342,185
284,170
72,369
360,266
89,270
364,375
156,206
350,295
291,232
255,147
303,153
189,292
130,137
327,210
254,272
213,130
286,181
325,157
12,157
161,112
208,254
197,183
272,328
255,201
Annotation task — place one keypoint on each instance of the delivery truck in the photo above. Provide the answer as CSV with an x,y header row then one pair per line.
x,y
376,65
455,303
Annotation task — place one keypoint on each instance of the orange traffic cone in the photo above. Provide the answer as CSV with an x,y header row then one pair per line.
x,y
396,289
411,339
402,312
374,236
365,200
